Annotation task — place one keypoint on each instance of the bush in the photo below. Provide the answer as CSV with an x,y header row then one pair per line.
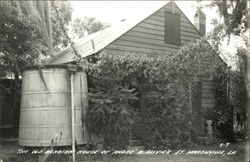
x,y
231,96
169,118
116,76
111,113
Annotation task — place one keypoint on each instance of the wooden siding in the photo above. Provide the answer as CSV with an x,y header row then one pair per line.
x,y
208,99
148,36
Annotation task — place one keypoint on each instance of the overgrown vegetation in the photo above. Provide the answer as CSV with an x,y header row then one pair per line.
x,y
231,100
111,114
162,81
116,77
169,117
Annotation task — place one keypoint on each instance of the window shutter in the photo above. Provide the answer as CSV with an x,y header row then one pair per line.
x,y
176,29
168,27
172,28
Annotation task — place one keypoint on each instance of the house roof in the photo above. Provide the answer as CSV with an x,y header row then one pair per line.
x,y
95,42
99,40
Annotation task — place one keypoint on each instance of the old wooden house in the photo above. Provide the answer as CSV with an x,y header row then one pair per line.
x,y
162,28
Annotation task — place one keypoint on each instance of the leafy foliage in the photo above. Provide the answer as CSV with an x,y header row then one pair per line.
x,y
45,19
233,25
88,25
169,117
222,112
111,114
231,96
60,11
162,80
234,14
21,40
20,43
230,91
167,74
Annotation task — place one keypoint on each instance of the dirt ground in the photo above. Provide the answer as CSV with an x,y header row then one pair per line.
x,y
235,152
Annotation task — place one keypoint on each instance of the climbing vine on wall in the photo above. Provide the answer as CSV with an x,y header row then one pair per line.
x,y
117,77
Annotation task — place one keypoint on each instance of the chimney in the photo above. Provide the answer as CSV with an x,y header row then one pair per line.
x,y
200,21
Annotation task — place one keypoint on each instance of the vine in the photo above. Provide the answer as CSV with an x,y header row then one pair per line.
x,y
117,77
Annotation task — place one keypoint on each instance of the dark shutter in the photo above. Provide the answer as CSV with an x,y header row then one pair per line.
x,y
172,28
168,27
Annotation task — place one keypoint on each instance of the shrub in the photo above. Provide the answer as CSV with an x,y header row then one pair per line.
x,y
116,76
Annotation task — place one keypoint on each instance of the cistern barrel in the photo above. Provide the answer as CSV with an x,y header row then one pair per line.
x,y
45,114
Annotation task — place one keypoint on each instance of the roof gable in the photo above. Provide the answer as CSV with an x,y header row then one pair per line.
x,y
98,41
149,35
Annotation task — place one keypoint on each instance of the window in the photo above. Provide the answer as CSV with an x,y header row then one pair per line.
x,y
172,28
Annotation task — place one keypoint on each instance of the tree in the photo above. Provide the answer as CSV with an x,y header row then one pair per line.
x,y
36,28
248,65
88,25
234,14
60,10
25,37
234,25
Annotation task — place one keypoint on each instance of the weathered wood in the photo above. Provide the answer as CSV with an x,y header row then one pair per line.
x,y
149,46
208,105
208,100
153,36
159,20
172,28
147,41
45,112
159,33
147,30
149,34
160,28
208,95
137,50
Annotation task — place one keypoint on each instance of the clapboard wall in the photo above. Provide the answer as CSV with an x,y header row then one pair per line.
x,y
208,97
148,35
201,103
